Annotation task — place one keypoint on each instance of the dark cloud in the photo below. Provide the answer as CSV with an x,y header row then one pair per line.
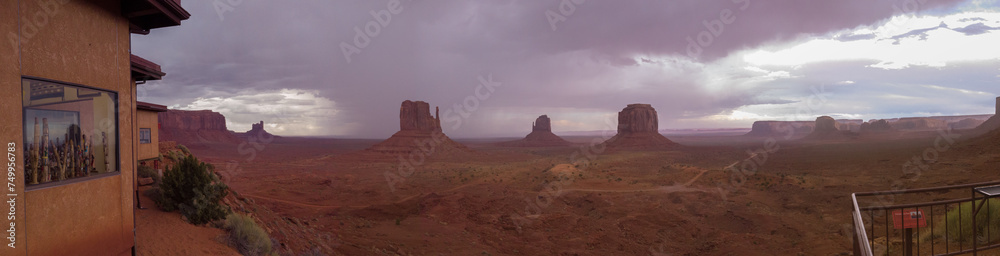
x,y
919,33
604,55
975,29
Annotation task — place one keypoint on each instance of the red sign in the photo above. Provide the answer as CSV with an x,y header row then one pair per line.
x,y
908,219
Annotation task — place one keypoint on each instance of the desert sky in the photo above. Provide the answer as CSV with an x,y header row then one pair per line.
x,y
341,68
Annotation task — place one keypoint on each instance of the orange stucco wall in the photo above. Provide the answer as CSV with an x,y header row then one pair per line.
x,y
87,43
148,119
10,125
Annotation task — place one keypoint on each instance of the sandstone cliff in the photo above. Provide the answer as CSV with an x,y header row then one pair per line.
x,y
827,128
194,126
781,128
876,126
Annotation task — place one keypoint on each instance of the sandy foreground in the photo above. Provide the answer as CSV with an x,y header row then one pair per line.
x,y
322,195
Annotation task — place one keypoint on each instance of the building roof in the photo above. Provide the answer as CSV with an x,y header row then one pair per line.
x,y
145,70
144,15
139,105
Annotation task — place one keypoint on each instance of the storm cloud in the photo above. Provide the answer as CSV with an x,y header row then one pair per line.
x,y
341,68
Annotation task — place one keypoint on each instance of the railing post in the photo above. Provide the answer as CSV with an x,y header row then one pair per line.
x,y
857,244
975,211
907,242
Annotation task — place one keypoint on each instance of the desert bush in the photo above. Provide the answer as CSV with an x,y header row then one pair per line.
x,y
191,188
960,226
184,149
174,156
148,172
246,236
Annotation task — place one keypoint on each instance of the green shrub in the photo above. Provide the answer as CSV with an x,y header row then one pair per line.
x,y
148,172
191,188
246,236
960,229
184,149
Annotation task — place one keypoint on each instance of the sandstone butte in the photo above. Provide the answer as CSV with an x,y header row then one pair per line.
x,y
638,127
418,131
541,136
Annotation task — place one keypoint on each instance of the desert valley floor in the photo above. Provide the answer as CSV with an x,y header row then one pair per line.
x,y
328,195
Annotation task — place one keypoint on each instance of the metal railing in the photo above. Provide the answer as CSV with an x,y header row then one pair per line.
x,y
875,232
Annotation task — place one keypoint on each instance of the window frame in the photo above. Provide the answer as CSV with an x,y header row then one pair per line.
x,y
116,100
149,140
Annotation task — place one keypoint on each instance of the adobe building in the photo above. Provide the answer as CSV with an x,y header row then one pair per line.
x,y
68,119
148,130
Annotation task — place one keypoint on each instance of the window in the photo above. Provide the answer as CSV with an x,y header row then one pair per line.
x,y
145,136
69,131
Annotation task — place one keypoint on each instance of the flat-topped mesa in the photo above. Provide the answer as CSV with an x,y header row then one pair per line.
x,y
416,116
638,118
542,123
192,120
965,124
638,127
880,125
194,126
781,128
